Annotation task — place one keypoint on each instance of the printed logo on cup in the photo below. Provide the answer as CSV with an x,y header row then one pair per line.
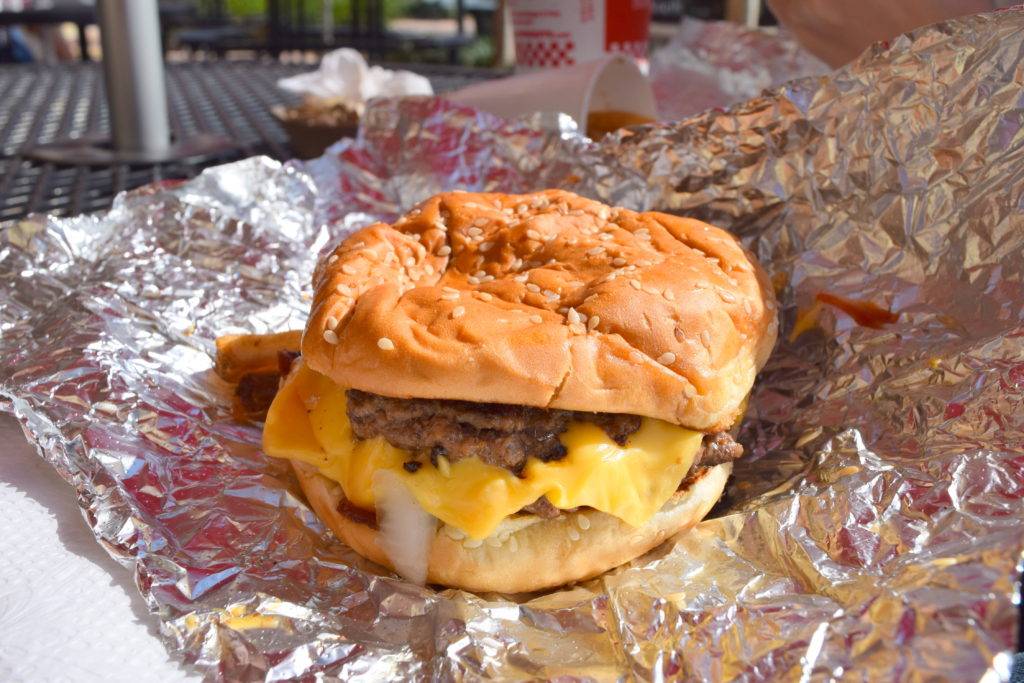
x,y
559,34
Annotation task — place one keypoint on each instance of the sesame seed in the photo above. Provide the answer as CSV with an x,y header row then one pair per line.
x,y
358,244
573,534
747,308
330,322
533,287
679,334
486,246
652,290
348,269
604,236
593,322
727,297
450,296
428,269
644,263
385,344
332,258
473,280
595,251
521,208
484,296
618,261
668,295
553,297
343,289
444,250
522,277
330,337
583,521
458,311
635,357
487,278
576,212
573,316
533,235
409,262
667,358
480,273
508,211
536,319
474,232
705,338
480,222
577,328
549,292
635,284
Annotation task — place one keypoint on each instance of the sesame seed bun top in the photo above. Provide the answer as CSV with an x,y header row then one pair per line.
x,y
549,300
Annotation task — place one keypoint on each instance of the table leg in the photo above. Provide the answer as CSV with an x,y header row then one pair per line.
x,y
83,43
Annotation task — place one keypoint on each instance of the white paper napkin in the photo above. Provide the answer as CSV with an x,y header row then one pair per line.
x,y
345,74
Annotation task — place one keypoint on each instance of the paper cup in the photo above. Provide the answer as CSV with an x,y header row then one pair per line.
x,y
559,34
610,84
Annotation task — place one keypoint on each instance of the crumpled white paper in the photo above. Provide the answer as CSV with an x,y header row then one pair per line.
x,y
710,64
344,74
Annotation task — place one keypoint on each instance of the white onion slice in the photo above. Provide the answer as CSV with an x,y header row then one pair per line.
x,y
406,529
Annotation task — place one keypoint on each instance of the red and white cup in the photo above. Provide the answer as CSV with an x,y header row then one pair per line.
x,y
569,32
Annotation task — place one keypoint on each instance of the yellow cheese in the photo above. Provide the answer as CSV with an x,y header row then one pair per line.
x,y
308,422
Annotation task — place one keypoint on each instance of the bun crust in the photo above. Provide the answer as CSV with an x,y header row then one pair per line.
x,y
549,300
529,553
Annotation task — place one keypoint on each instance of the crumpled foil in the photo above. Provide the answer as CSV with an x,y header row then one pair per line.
x,y
875,532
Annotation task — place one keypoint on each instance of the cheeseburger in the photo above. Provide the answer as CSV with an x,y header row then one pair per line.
x,y
510,392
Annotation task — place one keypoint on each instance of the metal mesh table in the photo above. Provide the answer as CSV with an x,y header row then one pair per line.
x,y
41,104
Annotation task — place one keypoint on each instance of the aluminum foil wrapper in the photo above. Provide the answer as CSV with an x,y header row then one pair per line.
x,y
875,532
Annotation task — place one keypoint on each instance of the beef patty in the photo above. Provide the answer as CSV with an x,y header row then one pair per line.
x,y
496,433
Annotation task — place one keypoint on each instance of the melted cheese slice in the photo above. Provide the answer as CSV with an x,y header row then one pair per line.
x,y
308,422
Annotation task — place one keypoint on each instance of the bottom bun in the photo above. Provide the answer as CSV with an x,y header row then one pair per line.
x,y
527,553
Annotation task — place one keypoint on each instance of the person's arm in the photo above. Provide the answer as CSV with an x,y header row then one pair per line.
x,y
839,30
